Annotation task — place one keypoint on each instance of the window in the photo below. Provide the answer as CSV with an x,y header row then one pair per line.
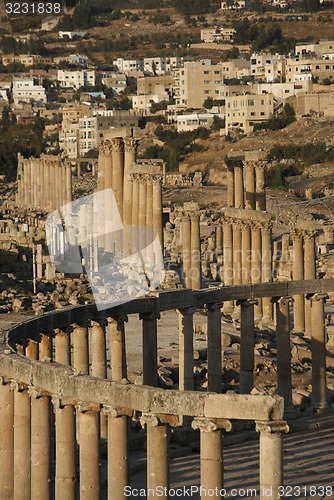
x,y
262,113
251,102
252,113
206,72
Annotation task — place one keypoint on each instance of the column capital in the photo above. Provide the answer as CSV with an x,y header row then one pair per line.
x,y
317,296
84,407
282,300
156,420
151,315
310,234
101,322
119,320
276,427
117,144
130,144
247,302
296,234
213,306
187,310
211,425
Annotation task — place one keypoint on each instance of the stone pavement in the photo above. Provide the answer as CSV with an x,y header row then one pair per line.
x,y
308,462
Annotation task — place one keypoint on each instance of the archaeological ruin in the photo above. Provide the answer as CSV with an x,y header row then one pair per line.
x,y
71,412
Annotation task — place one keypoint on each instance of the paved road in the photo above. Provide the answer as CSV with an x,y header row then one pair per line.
x,y
308,462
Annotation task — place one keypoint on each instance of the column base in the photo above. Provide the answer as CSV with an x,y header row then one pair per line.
x,y
320,407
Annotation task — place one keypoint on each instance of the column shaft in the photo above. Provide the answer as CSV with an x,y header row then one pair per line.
x,y
62,348
236,254
211,462
260,190
6,442
80,349
230,186
318,347
186,249
65,481
284,382
195,271
98,350
246,254
89,455
238,187
117,456
186,349
150,349
266,269
214,348
157,458
22,446
40,448
250,186
117,349
246,347
298,274
309,274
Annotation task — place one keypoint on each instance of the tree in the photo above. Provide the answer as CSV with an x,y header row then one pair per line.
x,y
208,103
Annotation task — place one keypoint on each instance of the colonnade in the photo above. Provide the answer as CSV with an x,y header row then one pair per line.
x,y
245,184
191,250
44,183
137,187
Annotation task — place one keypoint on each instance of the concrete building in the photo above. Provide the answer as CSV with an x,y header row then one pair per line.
x,y
143,103
26,59
323,49
197,81
92,129
236,68
115,81
155,85
76,79
190,122
283,90
128,65
300,69
244,111
161,65
72,34
237,5
267,67
217,34
26,90
313,103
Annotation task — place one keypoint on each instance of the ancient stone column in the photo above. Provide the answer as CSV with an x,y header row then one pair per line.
x,y
236,228
117,348
230,186
298,274
65,476
106,181
135,200
98,350
219,239
186,349
40,447
6,442
271,458
157,207
247,342
309,274
260,189
256,271
80,349
130,154
228,261
266,268
149,230
211,459
62,347
118,463
157,454
142,214
89,455
150,348
68,180
284,382
246,255
238,186
318,348
31,349
22,445
118,171
249,185
101,167
186,249
45,348
195,241
214,347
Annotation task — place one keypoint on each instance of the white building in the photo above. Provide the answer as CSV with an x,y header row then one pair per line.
x,y
244,111
115,81
25,90
217,34
128,65
161,65
233,5
72,34
188,123
76,79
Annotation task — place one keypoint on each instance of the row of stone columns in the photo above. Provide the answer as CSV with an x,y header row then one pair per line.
x,y
247,250
245,184
44,183
191,251
303,267
283,329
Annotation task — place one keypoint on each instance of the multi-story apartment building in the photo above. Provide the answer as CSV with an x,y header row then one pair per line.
x,y
244,111
115,81
26,60
155,85
128,66
217,34
197,81
304,69
77,78
92,129
323,49
267,67
236,68
143,102
161,65
26,90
